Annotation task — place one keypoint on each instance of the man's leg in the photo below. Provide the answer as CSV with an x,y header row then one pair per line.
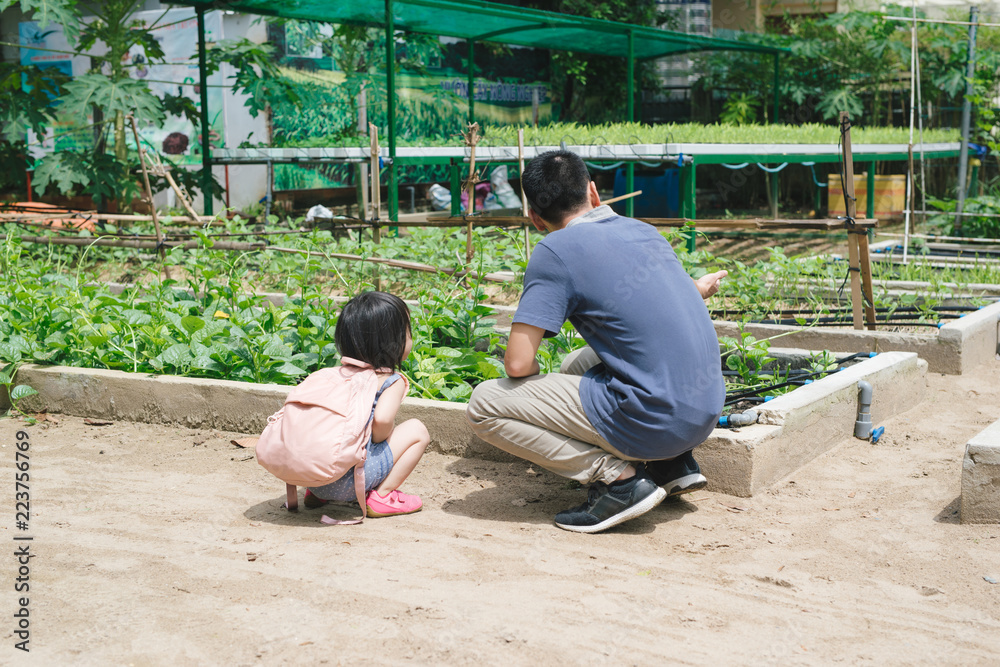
x,y
677,476
541,419
579,361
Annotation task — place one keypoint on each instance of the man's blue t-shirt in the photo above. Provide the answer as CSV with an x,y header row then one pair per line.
x,y
659,391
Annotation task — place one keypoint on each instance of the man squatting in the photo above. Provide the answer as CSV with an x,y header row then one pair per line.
x,y
625,412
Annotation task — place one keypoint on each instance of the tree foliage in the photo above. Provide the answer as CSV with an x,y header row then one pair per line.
x,y
593,88
853,62
28,97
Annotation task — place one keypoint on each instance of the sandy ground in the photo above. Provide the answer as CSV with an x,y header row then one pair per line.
x,y
156,545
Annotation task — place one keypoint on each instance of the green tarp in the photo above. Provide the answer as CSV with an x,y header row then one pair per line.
x,y
486,21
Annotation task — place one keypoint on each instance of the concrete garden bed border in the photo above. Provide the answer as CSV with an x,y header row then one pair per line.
x,y
792,430
981,477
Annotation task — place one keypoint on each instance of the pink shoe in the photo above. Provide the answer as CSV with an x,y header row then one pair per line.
x,y
312,501
395,502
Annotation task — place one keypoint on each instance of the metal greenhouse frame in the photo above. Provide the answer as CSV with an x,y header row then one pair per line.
x,y
474,21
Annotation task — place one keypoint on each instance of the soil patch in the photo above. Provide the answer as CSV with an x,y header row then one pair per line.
x,y
167,546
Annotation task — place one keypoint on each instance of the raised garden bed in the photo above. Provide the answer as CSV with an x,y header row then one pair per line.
x,y
792,429
953,348
981,477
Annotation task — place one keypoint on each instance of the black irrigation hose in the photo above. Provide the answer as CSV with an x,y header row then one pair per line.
x,y
836,323
879,309
736,398
902,317
801,378
942,252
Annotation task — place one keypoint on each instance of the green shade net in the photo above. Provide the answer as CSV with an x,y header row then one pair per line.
x,y
485,21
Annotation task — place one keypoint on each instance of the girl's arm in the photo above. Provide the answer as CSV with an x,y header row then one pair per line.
x,y
385,410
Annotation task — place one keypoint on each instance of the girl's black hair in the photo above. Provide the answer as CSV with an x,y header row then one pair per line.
x,y
372,328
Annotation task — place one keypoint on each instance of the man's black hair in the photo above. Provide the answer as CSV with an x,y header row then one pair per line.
x,y
556,184
372,328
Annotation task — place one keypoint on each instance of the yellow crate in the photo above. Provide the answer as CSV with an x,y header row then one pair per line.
x,y
890,195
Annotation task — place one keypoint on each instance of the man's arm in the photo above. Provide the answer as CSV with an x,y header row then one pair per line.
x,y
522,346
708,284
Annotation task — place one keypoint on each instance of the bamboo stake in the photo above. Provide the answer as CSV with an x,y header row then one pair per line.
x,y
138,244
249,247
149,195
395,263
376,196
628,196
852,246
721,223
866,278
524,197
152,237
471,139
113,217
177,190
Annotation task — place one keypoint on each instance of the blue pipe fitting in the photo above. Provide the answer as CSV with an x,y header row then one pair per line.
x,y
745,418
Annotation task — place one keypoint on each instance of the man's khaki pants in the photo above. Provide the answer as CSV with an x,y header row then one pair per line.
x,y
541,419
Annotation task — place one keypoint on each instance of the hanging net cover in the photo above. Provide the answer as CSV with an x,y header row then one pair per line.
x,y
491,22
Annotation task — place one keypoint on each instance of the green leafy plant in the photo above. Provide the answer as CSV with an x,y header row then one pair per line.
x,y
747,356
984,226
15,394
740,109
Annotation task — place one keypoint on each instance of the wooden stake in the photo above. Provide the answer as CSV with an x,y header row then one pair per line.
x,y
524,197
149,195
113,217
164,170
395,263
471,139
866,277
376,196
621,197
139,244
857,240
234,246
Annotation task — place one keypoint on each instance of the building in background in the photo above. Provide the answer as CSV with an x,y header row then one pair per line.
x,y
672,101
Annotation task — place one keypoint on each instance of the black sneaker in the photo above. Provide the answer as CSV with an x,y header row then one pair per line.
x,y
678,475
611,504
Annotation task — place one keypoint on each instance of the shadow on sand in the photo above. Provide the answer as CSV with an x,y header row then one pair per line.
x,y
518,496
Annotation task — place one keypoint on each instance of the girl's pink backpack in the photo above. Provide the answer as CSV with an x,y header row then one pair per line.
x,y
322,431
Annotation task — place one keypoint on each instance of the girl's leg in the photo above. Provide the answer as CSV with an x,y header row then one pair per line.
x,y
407,442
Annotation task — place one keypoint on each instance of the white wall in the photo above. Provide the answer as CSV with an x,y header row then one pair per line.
x,y
247,183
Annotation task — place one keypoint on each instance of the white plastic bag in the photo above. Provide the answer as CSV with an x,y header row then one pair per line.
x,y
505,194
492,203
319,212
440,197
